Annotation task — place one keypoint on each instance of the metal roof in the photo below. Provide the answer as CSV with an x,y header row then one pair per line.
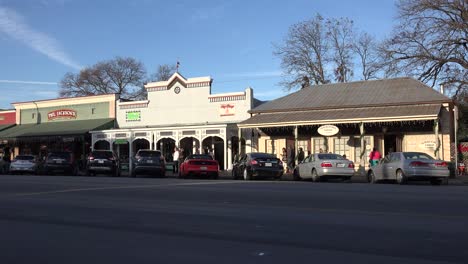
x,y
398,91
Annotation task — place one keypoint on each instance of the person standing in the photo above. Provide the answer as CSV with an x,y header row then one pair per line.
x,y
291,158
175,160
300,156
284,158
374,157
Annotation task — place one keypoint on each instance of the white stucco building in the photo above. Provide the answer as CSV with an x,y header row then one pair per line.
x,y
179,112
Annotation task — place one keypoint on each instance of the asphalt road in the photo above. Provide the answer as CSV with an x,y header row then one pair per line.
x,y
63,219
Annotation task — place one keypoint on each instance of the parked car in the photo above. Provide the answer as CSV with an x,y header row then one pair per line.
x,y
199,165
61,161
25,164
405,166
102,161
257,165
148,162
323,166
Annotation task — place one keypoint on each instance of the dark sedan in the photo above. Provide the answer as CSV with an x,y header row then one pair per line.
x,y
148,162
257,165
61,161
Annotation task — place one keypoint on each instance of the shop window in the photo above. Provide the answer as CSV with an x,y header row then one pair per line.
x,y
304,144
270,146
319,144
357,149
341,146
33,115
93,111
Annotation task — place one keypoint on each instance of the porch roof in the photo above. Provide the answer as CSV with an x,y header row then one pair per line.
x,y
348,115
64,128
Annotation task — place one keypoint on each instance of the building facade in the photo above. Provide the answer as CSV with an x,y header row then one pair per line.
x,y
180,113
399,114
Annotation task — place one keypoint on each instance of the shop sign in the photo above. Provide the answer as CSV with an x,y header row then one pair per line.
x,y
61,114
120,141
227,110
428,144
133,116
68,139
328,130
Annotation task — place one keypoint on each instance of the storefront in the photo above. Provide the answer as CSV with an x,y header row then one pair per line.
x,y
7,120
350,119
59,124
179,112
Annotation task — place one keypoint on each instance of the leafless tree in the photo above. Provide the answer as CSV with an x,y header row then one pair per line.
x,y
430,42
319,49
340,32
304,53
163,73
120,75
366,49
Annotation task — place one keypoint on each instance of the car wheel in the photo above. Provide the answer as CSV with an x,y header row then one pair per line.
x,y
347,179
371,177
247,176
296,175
234,174
315,177
400,177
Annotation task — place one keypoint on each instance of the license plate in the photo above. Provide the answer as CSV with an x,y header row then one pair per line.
x,y
59,161
268,164
203,168
149,161
100,161
340,165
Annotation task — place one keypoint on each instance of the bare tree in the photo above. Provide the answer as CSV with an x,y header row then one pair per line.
x,y
430,42
163,73
304,53
340,32
318,49
366,49
120,75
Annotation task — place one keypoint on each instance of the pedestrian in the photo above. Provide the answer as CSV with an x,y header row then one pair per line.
x,y
374,157
181,156
284,158
175,160
300,156
320,150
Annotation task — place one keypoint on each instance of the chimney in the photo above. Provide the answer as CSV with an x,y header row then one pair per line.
x,y
442,89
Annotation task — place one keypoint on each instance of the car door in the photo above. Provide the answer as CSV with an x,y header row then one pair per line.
x,y
379,168
305,167
390,167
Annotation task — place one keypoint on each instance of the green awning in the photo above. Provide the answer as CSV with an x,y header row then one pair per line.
x,y
64,128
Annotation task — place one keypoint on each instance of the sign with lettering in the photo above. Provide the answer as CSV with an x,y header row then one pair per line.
x,y
429,144
328,130
227,110
61,114
133,116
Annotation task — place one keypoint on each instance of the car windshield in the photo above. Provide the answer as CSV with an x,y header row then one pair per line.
x,y
149,153
198,156
102,154
417,155
60,155
21,157
330,156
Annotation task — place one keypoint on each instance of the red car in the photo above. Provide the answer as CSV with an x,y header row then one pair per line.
x,y
199,165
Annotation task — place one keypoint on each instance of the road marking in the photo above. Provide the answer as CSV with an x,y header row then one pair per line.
x,y
126,187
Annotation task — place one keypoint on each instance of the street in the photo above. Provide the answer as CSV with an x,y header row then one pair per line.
x,y
74,219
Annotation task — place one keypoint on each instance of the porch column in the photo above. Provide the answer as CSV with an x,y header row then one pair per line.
x,y
239,132
436,132
295,141
362,165
228,156
130,154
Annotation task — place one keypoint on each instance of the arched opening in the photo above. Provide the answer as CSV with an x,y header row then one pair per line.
x,y
166,146
122,149
140,143
101,145
189,145
215,147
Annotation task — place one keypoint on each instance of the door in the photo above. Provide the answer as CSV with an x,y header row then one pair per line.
x,y
390,166
305,168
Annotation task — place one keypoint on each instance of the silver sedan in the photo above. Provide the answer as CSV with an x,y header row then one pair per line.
x,y
404,166
321,166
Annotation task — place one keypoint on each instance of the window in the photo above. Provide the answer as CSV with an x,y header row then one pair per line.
x,y
270,146
357,149
93,111
342,146
319,143
33,115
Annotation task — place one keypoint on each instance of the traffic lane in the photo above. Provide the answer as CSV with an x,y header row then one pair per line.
x,y
272,224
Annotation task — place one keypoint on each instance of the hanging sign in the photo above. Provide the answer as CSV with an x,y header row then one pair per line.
x,y
328,130
61,114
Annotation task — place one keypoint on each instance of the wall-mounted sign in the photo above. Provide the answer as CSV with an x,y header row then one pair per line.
x,y
227,110
428,144
121,141
328,130
133,116
62,114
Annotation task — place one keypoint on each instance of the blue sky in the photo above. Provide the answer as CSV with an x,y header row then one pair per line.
x,y
231,41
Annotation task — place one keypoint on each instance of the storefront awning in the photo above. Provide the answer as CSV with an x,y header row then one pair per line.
x,y
342,116
65,128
